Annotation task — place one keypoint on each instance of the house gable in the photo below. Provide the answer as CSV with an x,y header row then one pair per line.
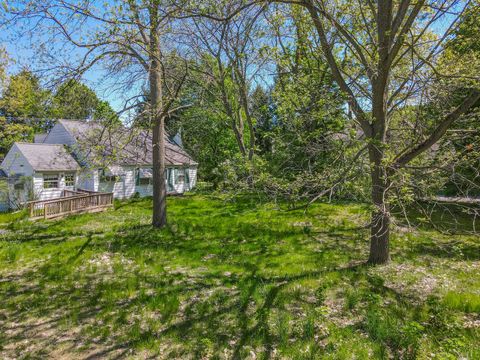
x,y
16,163
59,135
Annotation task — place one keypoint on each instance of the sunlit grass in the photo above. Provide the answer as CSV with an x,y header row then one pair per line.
x,y
234,278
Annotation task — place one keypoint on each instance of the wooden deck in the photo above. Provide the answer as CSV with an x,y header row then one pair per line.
x,y
72,202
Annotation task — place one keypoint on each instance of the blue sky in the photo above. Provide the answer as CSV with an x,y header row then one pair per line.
x,y
22,52
21,56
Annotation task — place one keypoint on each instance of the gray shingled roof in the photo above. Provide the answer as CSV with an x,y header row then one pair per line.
x,y
47,157
121,146
39,138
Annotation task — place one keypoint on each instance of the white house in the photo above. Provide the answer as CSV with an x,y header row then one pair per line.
x,y
85,155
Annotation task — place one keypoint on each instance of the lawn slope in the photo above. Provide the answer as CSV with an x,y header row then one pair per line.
x,y
233,279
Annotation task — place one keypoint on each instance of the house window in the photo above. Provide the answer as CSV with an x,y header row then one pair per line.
x,y
108,178
111,178
169,175
144,176
180,176
19,186
69,179
145,181
50,181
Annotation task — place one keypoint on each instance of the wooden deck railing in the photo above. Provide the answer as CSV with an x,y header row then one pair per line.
x,y
69,193
71,204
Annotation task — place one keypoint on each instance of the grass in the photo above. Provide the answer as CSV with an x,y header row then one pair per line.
x,y
233,279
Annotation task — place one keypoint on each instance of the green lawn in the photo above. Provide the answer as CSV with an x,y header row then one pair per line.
x,y
233,279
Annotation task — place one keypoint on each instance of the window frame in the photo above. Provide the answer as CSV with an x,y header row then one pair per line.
x,y
51,181
67,181
107,178
179,176
144,181
19,186
170,178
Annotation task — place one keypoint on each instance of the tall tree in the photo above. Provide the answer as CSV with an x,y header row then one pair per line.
x,y
23,107
11,132
262,112
204,128
381,55
458,155
3,67
24,97
232,57
308,122
75,100
131,40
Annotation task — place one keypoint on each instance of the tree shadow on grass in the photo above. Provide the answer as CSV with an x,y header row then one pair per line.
x,y
451,249
204,309
203,286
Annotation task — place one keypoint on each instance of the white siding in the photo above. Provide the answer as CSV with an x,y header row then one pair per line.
x,y
178,188
144,190
16,163
192,173
129,181
59,135
124,187
53,193
45,194
88,180
96,180
183,186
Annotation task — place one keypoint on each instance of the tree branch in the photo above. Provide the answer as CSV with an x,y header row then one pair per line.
x,y
439,131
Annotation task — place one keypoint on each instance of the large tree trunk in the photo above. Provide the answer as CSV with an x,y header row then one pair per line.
x,y
380,218
159,218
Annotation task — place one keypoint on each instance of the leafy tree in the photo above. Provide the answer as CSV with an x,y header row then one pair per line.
x,y
310,132
74,100
24,97
263,113
104,113
3,66
381,55
458,158
11,132
22,101
204,127
232,57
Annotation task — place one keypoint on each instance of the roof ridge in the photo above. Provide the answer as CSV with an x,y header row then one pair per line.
x,y
42,144
77,120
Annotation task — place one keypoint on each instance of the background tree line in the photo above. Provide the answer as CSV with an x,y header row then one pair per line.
x,y
27,107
